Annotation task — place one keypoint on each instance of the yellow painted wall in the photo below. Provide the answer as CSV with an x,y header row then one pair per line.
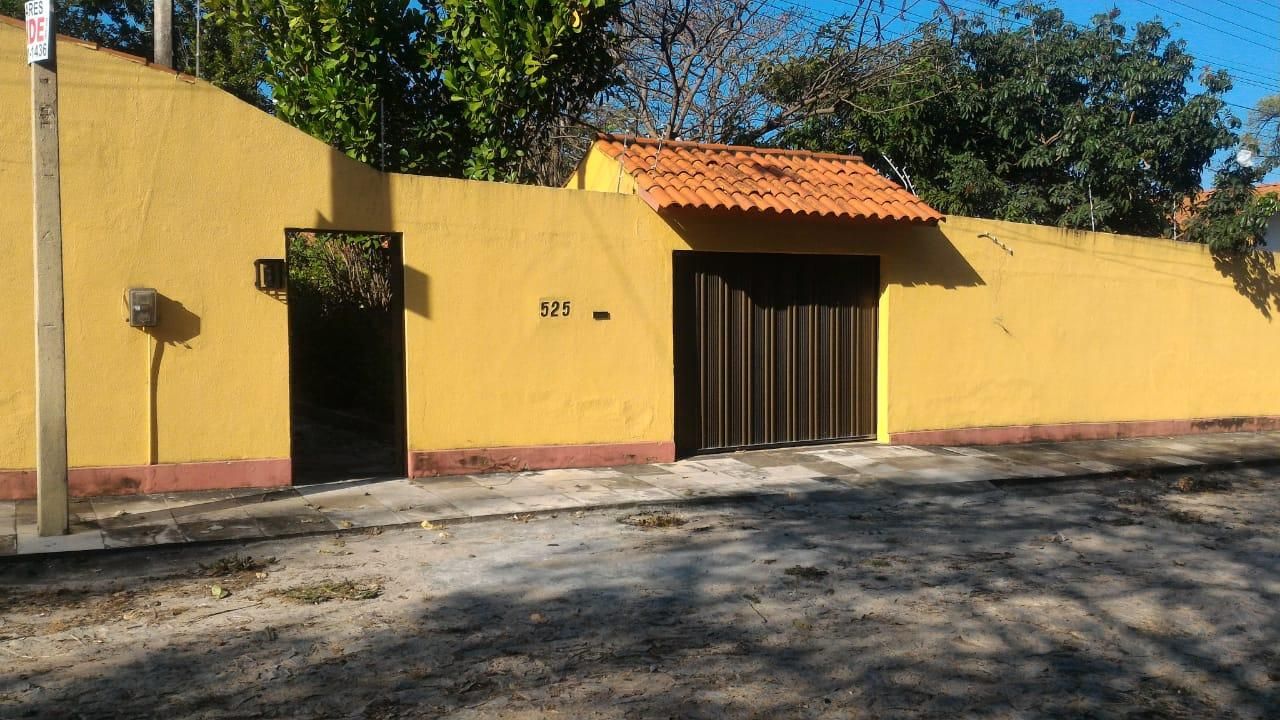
x,y
485,369
1083,327
172,184
1069,327
599,172
175,185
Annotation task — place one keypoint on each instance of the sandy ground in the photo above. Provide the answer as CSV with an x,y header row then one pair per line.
x,y
1119,598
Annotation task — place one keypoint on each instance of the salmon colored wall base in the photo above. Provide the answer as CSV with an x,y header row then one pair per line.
x,y
177,477
544,457
1084,431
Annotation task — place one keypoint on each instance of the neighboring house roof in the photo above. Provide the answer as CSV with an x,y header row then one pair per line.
x,y
672,174
1184,213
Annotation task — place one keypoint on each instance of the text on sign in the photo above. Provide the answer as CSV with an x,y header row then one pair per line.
x,y
39,21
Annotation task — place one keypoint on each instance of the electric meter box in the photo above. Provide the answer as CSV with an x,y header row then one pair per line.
x,y
142,307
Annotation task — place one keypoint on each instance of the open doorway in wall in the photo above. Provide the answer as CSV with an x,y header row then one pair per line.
x,y
346,355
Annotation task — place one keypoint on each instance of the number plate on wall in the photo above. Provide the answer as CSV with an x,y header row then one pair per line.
x,y
554,308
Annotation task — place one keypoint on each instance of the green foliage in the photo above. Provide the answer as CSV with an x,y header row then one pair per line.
x,y
1050,123
332,271
1233,218
454,87
342,70
229,57
514,67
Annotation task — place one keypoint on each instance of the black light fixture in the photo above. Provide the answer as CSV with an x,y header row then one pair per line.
x,y
270,274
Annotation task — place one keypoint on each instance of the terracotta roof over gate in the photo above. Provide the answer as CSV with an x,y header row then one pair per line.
x,y
673,174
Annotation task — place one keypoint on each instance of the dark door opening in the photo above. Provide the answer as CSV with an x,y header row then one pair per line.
x,y
346,355
774,349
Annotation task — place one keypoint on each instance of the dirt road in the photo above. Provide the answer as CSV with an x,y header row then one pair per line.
x,y
1119,598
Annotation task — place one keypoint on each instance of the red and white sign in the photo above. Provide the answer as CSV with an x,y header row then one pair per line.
x,y
39,23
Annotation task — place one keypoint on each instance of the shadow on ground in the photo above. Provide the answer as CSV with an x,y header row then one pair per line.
x,y
1045,601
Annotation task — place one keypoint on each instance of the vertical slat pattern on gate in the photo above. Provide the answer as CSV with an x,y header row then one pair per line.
x,y
778,349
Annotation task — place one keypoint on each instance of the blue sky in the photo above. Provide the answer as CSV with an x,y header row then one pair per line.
x,y
1241,36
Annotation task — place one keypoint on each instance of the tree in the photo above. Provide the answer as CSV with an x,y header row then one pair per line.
x,y
519,70
702,70
228,57
451,87
689,68
343,71
1234,217
1263,135
1046,122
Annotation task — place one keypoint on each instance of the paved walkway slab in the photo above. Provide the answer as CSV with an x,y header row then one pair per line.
x,y
149,520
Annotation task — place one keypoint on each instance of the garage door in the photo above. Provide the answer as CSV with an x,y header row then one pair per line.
x,y
774,349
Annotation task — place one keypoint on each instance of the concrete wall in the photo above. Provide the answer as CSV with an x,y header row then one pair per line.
x,y
170,183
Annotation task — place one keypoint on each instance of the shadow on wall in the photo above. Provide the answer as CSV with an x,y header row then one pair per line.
x,y
176,325
360,198
417,291
1254,276
361,203
928,257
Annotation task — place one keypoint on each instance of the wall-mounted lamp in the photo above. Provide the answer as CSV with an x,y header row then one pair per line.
x,y
270,274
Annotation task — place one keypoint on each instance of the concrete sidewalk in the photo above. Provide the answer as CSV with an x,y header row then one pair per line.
x,y
147,520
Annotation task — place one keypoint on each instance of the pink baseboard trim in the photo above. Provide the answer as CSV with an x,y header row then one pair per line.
x,y
1064,432
142,479
431,463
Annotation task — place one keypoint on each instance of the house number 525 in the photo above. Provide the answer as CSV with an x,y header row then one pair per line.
x,y
549,308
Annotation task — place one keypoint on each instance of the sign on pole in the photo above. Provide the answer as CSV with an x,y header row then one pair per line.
x,y
39,23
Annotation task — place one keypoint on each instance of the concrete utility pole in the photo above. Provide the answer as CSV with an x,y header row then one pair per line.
x,y
51,370
162,52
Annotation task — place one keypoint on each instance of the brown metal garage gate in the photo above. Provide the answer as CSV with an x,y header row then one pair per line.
x,y
774,349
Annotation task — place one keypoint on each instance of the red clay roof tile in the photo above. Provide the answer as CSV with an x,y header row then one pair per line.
x,y
673,174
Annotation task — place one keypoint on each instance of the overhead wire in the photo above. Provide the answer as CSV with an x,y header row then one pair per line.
x,y
1245,74
1218,30
1250,12
1219,18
